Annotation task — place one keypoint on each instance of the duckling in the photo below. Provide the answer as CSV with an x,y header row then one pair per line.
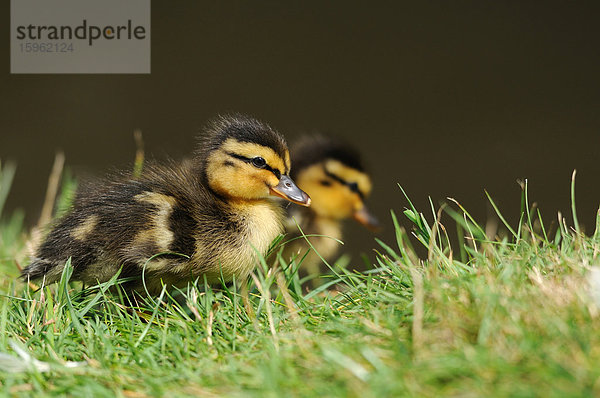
x,y
332,172
208,217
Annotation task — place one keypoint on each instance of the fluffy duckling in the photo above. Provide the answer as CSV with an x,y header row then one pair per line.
x,y
332,173
209,217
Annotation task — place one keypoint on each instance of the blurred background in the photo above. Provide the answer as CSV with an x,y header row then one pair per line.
x,y
444,98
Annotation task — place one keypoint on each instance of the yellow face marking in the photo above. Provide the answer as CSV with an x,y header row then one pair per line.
x,y
82,231
159,233
334,200
287,162
238,179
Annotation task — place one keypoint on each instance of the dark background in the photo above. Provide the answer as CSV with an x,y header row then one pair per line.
x,y
445,98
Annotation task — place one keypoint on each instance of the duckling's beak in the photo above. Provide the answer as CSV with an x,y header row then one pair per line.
x,y
364,217
288,190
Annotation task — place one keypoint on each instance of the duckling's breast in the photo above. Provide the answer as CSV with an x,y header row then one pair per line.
x,y
263,224
323,233
330,230
252,228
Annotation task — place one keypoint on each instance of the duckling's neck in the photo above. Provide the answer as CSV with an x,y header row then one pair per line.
x,y
264,214
313,223
260,221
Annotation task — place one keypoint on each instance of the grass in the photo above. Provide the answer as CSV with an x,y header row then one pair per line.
x,y
490,316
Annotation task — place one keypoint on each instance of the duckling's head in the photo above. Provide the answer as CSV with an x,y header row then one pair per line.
x,y
332,172
243,159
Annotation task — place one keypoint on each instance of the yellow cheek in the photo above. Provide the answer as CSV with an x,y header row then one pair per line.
x,y
251,185
239,182
269,179
257,183
339,203
332,202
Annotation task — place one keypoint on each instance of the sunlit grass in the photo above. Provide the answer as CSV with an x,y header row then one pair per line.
x,y
494,316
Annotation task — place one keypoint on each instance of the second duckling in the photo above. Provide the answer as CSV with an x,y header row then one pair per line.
x,y
332,173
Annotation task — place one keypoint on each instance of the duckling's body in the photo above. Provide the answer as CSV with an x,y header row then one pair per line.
x,y
331,172
209,217
326,244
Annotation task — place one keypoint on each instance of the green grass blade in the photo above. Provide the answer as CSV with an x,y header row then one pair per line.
x,y
506,224
7,174
573,207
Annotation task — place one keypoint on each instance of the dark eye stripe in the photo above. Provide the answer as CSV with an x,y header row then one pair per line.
x,y
276,172
352,185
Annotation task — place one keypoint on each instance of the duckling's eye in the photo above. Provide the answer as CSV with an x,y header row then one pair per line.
x,y
325,183
353,186
259,162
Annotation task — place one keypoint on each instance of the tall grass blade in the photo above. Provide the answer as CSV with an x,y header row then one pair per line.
x,y
573,207
506,224
7,174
